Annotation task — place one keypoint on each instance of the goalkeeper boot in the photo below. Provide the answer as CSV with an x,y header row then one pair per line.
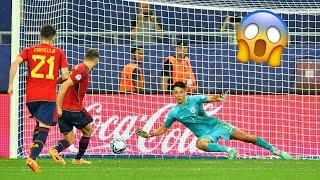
x,y
232,153
33,165
282,154
56,158
80,161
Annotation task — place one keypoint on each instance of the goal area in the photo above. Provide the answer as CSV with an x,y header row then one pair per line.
x,y
279,104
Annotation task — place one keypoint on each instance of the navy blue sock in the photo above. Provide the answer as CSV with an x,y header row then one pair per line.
x,y
83,144
35,132
62,144
39,142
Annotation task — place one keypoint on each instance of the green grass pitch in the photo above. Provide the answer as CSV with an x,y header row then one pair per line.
x,y
151,169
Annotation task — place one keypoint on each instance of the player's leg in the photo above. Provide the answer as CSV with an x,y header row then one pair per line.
x,y
208,145
66,128
61,145
39,140
245,137
37,147
33,107
224,130
81,121
43,112
64,143
35,131
83,144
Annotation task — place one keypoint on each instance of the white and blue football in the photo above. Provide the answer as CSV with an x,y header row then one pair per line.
x,y
118,146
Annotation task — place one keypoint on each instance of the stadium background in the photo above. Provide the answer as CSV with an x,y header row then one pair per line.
x,y
213,56
226,75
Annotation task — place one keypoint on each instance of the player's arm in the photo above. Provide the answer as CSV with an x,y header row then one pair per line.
x,y
164,84
135,26
163,129
138,81
138,86
60,80
13,70
158,132
165,75
153,18
63,90
64,75
63,68
225,23
218,98
134,31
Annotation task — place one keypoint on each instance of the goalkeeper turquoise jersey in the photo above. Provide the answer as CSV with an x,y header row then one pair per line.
x,y
193,116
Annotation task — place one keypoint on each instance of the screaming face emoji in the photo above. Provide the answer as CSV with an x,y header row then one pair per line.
x,y
262,36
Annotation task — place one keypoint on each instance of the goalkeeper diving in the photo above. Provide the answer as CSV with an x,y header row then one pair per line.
x,y
208,129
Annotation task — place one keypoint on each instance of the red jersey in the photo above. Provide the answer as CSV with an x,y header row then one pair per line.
x,y
44,62
75,94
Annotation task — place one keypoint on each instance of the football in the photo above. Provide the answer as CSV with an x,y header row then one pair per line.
x,y
118,146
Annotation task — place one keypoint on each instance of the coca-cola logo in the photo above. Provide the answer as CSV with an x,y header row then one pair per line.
x,y
119,115
123,124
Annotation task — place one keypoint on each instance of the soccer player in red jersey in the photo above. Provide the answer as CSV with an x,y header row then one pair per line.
x,y
71,111
44,62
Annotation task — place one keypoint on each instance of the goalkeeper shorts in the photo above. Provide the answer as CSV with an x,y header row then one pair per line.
x,y
222,130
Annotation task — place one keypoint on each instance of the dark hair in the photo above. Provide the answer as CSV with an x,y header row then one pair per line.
x,y
179,84
92,54
181,43
134,49
149,13
47,31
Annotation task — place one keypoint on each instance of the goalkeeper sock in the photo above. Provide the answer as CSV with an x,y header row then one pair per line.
x,y
39,142
35,132
62,144
213,147
262,143
83,144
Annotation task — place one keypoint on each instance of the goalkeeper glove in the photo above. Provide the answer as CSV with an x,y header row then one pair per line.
x,y
142,133
223,95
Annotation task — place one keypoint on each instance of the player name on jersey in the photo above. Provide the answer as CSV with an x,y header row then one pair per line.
x,y
45,50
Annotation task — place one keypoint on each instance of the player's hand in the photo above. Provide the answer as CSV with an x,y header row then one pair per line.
x,y
142,133
223,95
59,111
10,90
153,18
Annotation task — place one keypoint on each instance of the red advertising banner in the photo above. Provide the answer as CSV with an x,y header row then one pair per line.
x,y
289,122
5,125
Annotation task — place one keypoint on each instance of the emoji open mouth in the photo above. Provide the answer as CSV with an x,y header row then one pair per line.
x,y
260,48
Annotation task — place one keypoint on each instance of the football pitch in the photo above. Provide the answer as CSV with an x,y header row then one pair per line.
x,y
164,169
